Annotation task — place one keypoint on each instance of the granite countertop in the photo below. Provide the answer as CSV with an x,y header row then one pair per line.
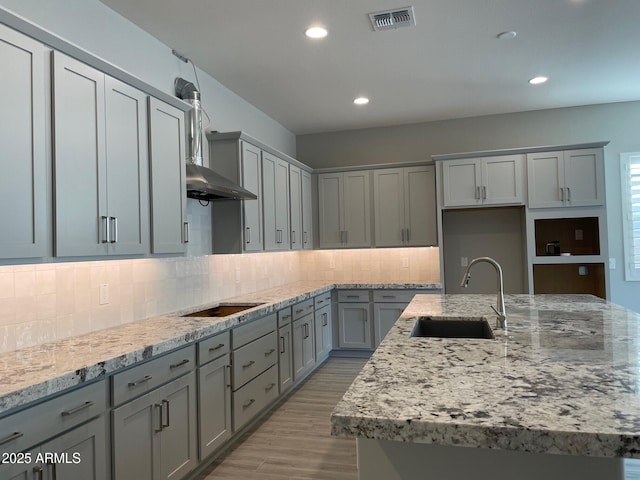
x,y
33,373
564,379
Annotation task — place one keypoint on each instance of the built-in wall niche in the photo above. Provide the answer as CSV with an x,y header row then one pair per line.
x,y
577,236
570,278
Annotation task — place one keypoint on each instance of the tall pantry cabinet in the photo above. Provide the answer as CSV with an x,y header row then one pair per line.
x,y
23,172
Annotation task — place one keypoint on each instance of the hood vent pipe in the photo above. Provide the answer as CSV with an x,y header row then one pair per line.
x,y
202,182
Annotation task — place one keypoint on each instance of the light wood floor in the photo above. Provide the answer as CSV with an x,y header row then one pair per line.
x,y
293,441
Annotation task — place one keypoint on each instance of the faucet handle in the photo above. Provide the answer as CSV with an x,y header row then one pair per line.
x,y
501,321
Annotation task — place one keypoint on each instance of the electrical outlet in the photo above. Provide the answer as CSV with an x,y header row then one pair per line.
x,y
612,263
104,294
405,262
579,234
464,261
332,263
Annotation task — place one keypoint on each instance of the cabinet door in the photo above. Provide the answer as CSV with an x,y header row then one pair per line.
x,y
308,349
461,182
388,201
135,450
420,206
545,179
269,166
285,358
295,200
298,333
282,205
178,453
214,405
354,327
502,181
128,167
86,452
331,217
307,212
23,175
384,316
169,231
356,207
34,470
252,209
80,193
584,177
323,331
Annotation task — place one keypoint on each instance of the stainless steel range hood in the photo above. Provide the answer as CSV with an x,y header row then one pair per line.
x,y
204,183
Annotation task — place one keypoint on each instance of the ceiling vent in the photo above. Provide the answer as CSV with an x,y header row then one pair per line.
x,y
391,19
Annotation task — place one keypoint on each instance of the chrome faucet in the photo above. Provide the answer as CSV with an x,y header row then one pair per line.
x,y
499,308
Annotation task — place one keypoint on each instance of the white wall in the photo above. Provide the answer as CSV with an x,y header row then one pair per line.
x,y
619,123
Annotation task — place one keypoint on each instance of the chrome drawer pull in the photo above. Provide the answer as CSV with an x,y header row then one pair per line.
x,y
353,296
320,301
217,347
159,407
247,365
300,310
286,316
249,403
269,387
138,382
79,408
168,424
179,364
13,436
388,296
266,354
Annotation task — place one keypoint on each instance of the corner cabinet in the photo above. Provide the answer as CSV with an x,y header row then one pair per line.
x,y
344,209
570,178
405,206
23,114
169,229
496,180
102,121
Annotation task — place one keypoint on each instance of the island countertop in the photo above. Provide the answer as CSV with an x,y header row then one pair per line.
x,y
564,379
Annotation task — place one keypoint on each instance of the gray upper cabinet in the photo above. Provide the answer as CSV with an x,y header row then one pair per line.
x,y
307,212
100,163
169,230
23,113
251,170
275,205
295,200
405,206
344,209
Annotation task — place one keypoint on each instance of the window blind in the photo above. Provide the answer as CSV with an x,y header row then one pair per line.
x,y
630,170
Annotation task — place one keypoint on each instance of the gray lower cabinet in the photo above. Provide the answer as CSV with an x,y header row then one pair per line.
x,y
285,357
214,405
154,436
169,229
323,332
23,113
303,346
354,326
384,316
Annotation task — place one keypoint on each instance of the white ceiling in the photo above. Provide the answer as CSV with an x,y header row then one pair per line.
x,y
449,65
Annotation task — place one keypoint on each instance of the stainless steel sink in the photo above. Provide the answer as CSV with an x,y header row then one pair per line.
x,y
445,328
222,310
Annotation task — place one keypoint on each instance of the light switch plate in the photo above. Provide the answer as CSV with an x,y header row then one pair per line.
x,y
405,262
612,263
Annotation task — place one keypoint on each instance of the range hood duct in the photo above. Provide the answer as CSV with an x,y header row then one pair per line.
x,y
202,182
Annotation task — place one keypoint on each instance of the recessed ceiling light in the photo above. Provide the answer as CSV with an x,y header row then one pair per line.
x,y
361,101
316,32
538,80
507,35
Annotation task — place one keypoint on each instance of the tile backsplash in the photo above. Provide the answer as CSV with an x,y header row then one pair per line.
x,y
44,302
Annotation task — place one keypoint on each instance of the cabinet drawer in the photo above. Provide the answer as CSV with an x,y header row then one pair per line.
x,y
284,317
303,308
143,378
353,295
322,300
213,347
394,296
38,423
254,358
251,399
251,331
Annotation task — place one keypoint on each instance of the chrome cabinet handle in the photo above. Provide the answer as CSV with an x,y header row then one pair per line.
x,y
179,364
248,403
568,194
402,235
293,236
477,192
269,387
186,232
283,344
324,319
408,236
9,438
72,411
146,378
159,407
217,347
168,404
105,229
248,235
114,229
561,194
266,354
248,364
39,471
484,192
228,376
305,238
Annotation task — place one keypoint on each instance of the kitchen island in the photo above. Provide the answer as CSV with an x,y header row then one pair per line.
x,y
556,395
